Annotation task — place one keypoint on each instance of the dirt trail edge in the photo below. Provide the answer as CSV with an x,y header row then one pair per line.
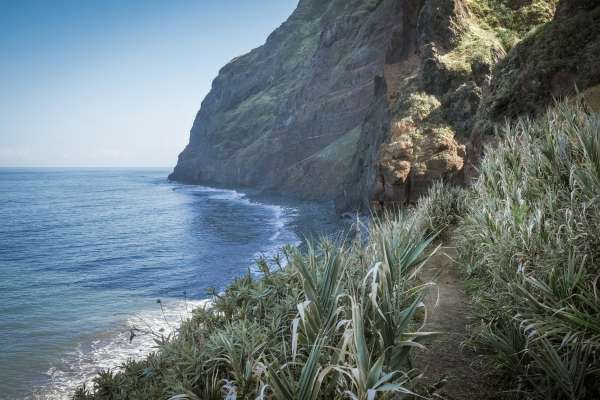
x,y
456,371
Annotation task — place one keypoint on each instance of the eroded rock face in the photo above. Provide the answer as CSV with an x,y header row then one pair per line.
x,y
309,113
433,91
449,99
409,163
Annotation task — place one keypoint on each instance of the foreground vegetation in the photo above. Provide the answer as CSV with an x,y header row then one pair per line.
x,y
528,239
531,240
339,320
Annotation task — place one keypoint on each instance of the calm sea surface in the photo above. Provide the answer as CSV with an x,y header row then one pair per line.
x,y
85,255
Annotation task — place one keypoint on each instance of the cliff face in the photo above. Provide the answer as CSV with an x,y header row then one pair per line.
x,y
552,62
367,102
288,115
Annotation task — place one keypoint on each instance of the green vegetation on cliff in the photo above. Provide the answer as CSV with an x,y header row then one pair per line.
x,y
550,62
511,20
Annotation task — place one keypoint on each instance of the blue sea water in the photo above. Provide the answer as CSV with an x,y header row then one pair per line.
x,y
85,254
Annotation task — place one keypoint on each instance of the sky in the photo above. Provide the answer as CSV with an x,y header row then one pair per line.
x,y
115,83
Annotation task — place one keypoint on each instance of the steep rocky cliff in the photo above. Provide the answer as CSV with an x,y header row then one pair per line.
x,y
288,115
366,102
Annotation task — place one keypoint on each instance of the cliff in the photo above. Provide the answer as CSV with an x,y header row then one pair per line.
x,y
367,102
287,116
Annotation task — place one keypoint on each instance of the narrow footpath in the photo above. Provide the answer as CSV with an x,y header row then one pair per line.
x,y
453,369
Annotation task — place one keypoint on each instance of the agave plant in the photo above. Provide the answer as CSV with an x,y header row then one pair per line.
x,y
365,371
284,384
338,345
566,370
530,240
321,276
393,301
238,350
441,209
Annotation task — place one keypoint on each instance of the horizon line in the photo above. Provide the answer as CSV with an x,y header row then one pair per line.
x,y
85,167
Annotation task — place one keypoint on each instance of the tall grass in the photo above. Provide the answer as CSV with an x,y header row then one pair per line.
x,y
530,240
338,320
441,209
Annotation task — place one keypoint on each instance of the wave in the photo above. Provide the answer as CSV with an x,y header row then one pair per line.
x,y
281,215
134,341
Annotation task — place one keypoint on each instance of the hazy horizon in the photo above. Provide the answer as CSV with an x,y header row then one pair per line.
x,y
116,83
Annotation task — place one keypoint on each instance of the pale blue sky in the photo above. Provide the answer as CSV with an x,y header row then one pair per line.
x,y
115,82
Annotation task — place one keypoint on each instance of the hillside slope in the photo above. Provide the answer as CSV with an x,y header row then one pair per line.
x,y
353,318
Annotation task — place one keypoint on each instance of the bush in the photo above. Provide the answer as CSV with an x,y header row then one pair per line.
x,y
441,209
530,241
338,320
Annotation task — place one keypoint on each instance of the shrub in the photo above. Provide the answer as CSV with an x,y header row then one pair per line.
x,y
530,240
338,320
441,209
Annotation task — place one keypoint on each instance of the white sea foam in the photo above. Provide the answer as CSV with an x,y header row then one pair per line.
x,y
79,366
279,222
200,189
281,215
232,195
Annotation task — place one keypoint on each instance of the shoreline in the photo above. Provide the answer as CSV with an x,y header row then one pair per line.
x,y
317,213
132,339
113,348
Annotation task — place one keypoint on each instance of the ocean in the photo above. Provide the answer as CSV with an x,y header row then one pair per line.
x,y
88,256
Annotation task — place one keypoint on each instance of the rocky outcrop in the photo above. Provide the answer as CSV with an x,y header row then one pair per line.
x,y
433,87
367,102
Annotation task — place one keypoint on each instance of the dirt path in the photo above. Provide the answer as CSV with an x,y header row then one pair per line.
x,y
457,371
